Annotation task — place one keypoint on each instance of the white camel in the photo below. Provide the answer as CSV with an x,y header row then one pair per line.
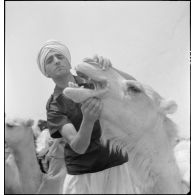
x,y
134,118
19,137
12,179
182,154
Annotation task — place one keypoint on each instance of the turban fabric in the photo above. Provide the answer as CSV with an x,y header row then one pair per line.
x,y
51,46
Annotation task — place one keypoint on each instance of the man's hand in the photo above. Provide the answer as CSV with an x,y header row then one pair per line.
x,y
91,109
100,61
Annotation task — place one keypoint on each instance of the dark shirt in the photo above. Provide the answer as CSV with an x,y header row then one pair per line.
x,y
62,110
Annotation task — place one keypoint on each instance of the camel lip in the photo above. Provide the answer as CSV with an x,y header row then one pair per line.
x,y
98,83
89,70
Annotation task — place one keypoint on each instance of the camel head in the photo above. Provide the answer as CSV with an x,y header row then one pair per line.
x,y
134,119
127,104
18,131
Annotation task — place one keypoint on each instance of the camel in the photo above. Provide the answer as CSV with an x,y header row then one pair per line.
x,y
20,139
182,154
12,180
134,118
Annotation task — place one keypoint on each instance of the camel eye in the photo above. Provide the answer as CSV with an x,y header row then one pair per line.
x,y
9,125
134,89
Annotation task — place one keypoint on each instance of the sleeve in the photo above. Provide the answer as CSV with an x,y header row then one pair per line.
x,y
55,121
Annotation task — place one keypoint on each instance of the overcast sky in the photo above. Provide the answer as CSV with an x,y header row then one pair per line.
x,y
149,40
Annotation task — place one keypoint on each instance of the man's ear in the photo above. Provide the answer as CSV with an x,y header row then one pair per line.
x,y
168,107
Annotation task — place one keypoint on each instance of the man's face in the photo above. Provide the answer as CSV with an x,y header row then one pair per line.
x,y
56,65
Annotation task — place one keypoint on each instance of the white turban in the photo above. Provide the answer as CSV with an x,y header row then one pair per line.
x,y
51,46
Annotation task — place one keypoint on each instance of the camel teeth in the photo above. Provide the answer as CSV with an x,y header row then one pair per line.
x,y
73,85
70,84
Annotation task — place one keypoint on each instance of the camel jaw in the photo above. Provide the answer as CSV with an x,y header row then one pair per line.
x,y
92,73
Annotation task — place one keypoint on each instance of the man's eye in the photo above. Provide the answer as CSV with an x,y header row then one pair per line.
x,y
134,89
49,60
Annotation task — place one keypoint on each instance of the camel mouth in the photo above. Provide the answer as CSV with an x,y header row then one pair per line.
x,y
96,83
96,86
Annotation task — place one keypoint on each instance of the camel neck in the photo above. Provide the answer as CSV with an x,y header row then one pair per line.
x,y
25,154
30,173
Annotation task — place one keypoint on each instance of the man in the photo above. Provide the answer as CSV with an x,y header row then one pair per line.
x,y
91,167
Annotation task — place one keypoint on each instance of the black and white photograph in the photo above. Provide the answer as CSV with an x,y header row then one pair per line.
x,y
97,97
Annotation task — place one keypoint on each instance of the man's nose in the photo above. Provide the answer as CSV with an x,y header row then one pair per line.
x,y
56,60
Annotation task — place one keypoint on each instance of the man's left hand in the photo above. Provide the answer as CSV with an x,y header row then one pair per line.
x,y
103,63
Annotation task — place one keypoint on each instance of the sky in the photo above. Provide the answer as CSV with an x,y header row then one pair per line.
x,y
147,39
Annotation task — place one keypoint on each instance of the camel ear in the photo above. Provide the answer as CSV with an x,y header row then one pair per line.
x,y
29,122
168,107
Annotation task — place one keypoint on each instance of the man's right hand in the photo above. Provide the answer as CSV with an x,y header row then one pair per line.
x,y
91,109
